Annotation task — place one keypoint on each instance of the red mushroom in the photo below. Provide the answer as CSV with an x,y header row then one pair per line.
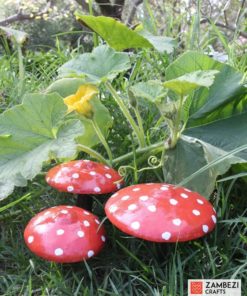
x,y
64,234
161,212
84,177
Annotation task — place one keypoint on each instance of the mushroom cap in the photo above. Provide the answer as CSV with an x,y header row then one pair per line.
x,y
84,177
161,212
64,234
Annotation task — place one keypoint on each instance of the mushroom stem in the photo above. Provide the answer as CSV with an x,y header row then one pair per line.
x,y
84,201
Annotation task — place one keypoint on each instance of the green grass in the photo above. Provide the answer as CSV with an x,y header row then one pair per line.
x,y
126,266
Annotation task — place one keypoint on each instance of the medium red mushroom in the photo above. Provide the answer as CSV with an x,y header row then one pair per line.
x,y
161,212
64,234
84,177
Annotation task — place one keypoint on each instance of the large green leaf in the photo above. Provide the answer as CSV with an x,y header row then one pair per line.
x,y
226,134
160,43
115,33
37,132
120,37
104,63
68,86
190,155
186,83
217,123
222,99
152,90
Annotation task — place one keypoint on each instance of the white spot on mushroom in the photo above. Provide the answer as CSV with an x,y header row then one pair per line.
x,y
90,253
97,221
214,218
58,252
196,212
30,239
176,221
125,197
64,212
106,167
48,179
86,160
60,231
136,189
132,207
184,195
205,228
200,201
166,235
152,208
93,173
46,213
86,223
69,207
103,238
108,176
135,225
113,208
86,213
214,210
75,176
164,188
118,185
173,201
96,189
70,188
144,198
115,194
80,233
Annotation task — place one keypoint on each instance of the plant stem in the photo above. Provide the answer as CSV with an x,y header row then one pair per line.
x,y
138,151
102,139
93,153
175,132
127,114
21,70
140,124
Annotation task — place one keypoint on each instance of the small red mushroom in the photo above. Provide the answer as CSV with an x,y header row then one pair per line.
x,y
64,234
84,177
161,212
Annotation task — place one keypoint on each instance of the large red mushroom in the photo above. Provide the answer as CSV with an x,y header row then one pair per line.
x,y
65,234
161,212
84,177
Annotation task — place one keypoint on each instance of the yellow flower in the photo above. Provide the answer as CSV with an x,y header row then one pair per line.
x,y
79,102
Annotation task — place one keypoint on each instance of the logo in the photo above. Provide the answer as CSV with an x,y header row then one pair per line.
x,y
195,288
214,287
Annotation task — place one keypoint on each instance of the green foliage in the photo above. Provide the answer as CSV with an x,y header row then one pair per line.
x,y
37,133
120,37
185,84
101,65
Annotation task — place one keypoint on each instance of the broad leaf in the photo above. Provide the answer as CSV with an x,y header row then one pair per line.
x,y
120,37
39,133
226,134
115,33
185,84
189,155
68,86
160,43
19,37
151,90
222,99
103,64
